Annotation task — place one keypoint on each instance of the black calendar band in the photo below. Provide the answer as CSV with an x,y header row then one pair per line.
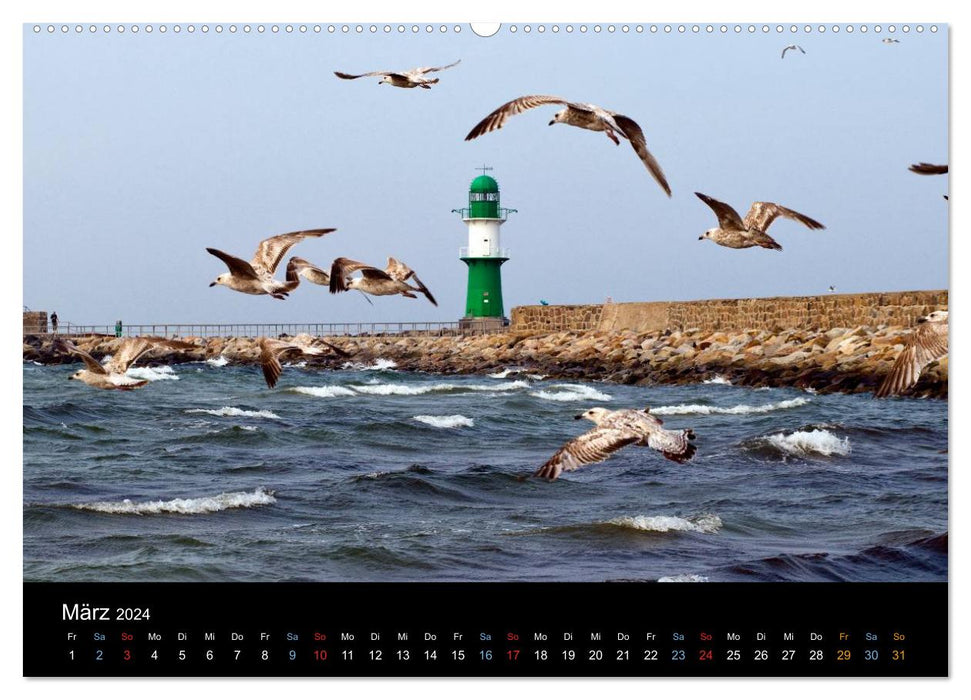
x,y
472,629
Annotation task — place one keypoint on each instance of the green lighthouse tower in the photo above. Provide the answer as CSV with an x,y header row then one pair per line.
x,y
484,255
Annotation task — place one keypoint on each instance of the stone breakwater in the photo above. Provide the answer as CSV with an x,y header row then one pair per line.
x,y
849,360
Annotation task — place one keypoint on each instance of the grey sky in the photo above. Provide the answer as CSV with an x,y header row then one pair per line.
x,y
142,150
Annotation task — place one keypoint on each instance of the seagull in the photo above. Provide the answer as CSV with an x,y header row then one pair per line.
x,y
256,276
832,289
792,46
391,280
734,232
615,429
403,79
585,116
112,375
888,40
927,344
271,350
928,169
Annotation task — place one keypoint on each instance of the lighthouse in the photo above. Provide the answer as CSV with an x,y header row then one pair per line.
x,y
484,255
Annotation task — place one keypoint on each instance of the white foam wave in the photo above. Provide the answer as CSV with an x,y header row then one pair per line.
x,y
378,365
700,409
152,374
418,389
537,377
718,379
185,506
707,523
324,392
231,411
217,361
298,365
683,578
802,442
456,421
571,392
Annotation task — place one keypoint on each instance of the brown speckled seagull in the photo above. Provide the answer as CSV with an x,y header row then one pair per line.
x,y
112,375
256,276
392,280
583,115
927,344
403,79
271,350
614,430
734,232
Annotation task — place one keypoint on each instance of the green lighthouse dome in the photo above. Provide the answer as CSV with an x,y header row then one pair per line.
x,y
484,184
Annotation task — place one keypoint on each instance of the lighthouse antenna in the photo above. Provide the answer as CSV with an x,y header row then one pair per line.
x,y
484,168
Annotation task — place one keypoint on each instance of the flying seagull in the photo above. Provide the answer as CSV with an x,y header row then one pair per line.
x,y
403,79
888,40
734,232
615,429
389,281
585,116
928,169
927,344
271,350
792,46
256,276
112,375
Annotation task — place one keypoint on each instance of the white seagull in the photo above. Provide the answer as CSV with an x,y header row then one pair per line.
x,y
734,232
393,279
112,374
271,350
615,429
256,276
792,46
583,115
888,40
403,79
927,344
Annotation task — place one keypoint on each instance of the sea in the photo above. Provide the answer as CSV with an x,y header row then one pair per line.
x,y
369,473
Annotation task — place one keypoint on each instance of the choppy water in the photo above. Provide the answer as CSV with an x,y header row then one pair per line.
x,y
374,474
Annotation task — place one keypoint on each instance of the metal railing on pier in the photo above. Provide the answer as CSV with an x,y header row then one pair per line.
x,y
254,330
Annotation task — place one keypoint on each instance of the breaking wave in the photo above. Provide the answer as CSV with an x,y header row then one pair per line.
x,y
152,374
377,366
701,409
228,411
184,506
809,442
718,379
456,421
707,523
324,392
571,392
217,361
418,389
683,578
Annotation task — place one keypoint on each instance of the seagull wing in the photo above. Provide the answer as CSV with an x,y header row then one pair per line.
x,y
92,364
424,290
237,266
397,270
673,444
784,51
927,344
348,76
590,448
271,251
762,214
434,69
342,268
728,218
133,348
633,132
500,116
298,267
927,169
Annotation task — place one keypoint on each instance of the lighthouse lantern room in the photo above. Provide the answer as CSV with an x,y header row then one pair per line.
x,y
484,254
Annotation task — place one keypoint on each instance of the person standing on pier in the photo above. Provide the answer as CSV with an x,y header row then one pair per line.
x,y
54,321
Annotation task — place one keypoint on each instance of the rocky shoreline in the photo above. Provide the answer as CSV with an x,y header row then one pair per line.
x,y
848,360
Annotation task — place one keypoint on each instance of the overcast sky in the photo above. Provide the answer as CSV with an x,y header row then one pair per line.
x,y
142,150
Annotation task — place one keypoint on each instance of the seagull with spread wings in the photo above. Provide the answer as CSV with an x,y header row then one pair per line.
x,y
112,375
583,115
928,169
403,79
927,344
256,276
271,350
792,47
735,232
392,280
614,430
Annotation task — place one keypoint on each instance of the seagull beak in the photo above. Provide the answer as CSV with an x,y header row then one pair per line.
x,y
552,123
578,417
701,238
212,284
922,319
